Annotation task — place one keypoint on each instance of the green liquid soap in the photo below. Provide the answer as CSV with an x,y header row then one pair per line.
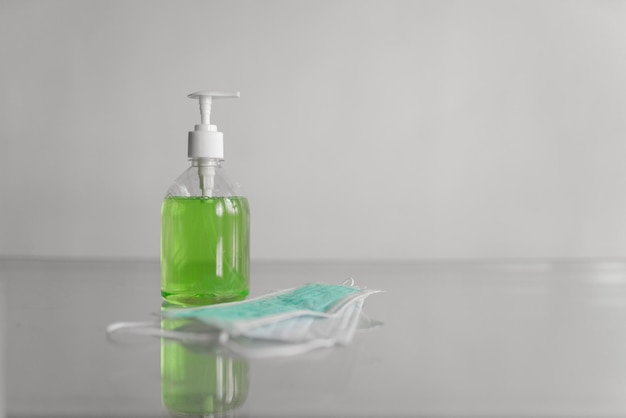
x,y
205,247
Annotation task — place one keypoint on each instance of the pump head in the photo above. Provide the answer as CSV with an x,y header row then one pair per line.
x,y
205,141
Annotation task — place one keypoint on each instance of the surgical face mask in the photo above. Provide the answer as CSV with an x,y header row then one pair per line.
x,y
281,323
284,322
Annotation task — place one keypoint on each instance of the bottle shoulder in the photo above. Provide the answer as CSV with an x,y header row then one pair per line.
x,y
190,182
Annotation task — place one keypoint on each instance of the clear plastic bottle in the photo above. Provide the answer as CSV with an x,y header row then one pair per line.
x,y
205,225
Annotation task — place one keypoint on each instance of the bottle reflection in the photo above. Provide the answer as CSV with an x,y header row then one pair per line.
x,y
197,380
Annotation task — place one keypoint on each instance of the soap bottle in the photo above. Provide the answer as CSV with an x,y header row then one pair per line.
x,y
205,223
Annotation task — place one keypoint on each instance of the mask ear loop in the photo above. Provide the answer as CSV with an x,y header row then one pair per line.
x,y
152,329
348,282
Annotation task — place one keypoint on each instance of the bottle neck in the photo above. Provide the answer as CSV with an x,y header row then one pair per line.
x,y
206,162
207,168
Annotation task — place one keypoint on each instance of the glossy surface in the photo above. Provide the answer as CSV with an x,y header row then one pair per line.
x,y
458,339
196,382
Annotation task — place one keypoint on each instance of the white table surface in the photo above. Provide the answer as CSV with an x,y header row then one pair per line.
x,y
459,339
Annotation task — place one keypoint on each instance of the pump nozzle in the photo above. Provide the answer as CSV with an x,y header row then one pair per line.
x,y
205,143
205,97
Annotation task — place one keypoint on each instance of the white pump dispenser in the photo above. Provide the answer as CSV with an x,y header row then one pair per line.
x,y
205,143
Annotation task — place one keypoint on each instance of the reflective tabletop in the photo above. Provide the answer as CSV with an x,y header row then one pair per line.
x,y
458,339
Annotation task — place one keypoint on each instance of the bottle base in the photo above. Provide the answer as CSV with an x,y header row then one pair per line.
x,y
196,299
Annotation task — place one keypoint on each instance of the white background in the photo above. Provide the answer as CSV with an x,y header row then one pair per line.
x,y
365,129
